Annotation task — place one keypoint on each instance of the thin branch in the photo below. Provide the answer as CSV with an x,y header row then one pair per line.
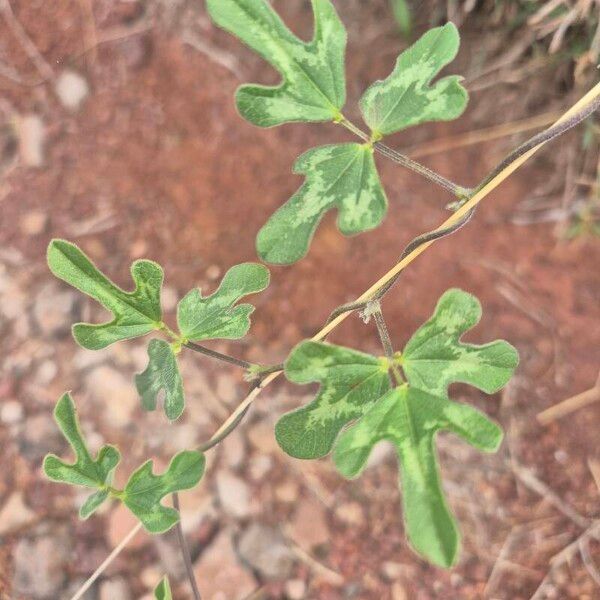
x,y
185,551
218,356
404,161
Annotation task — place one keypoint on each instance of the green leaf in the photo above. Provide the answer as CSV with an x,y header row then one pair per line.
x,y
434,357
406,97
161,374
163,590
350,382
144,490
85,471
410,418
403,16
135,313
216,317
342,176
313,86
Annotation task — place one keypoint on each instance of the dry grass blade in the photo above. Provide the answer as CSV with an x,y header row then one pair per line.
x,y
562,409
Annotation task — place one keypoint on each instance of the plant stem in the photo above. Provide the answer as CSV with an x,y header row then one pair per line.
x,y
403,160
386,341
185,551
218,356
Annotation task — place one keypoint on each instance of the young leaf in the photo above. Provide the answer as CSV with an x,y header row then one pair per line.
x,y
85,471
313,86
434,357
406,97
403,16
350,382
163,590
162,373
342,176
410,418
135,313
216,317
144,490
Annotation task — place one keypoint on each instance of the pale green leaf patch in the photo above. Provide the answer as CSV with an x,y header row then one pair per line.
x,y
410,418
350,382
135,313
144,490
406,97
342,176
313,86
356,392
163,590
161,375
85,471
216,316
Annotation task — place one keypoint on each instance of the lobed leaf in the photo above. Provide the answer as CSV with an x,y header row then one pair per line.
x,y
163,590
216,316
342,176
350,382
135,313
144,490
161,374
406,97
434,357
85,471
313,86
410,418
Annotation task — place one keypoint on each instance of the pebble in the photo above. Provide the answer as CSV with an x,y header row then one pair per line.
x,y
265,550
114,589
309,524
40,567
234,451
287,492
350,513
33,223
260,466
53,308
114,394
14,514
40,435
295,589
32,134
220,573
72,89
11,412
234,495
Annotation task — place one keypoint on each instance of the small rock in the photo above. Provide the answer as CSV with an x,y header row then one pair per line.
x,y
222,577
33,223
264,549
114,589
287,492
398,592
11,412
14,514
40,435
72,89
45,373
309,525
234,451
53,309
295,589
114,393
120,523
213,272
31,140
40,567
234,495
260,466
350,513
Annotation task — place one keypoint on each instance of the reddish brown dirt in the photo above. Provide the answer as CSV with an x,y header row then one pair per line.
x,y
159,147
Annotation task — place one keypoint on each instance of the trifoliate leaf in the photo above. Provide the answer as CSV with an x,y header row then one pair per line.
x,y
135,313
144,490
313,86
407,97
434,357
163,590
410,418
216,317
350,382
85,471
342,176
161,374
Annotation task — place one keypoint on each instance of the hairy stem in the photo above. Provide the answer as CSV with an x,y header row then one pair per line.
x,y
217,355
185,551
403,160
386,341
